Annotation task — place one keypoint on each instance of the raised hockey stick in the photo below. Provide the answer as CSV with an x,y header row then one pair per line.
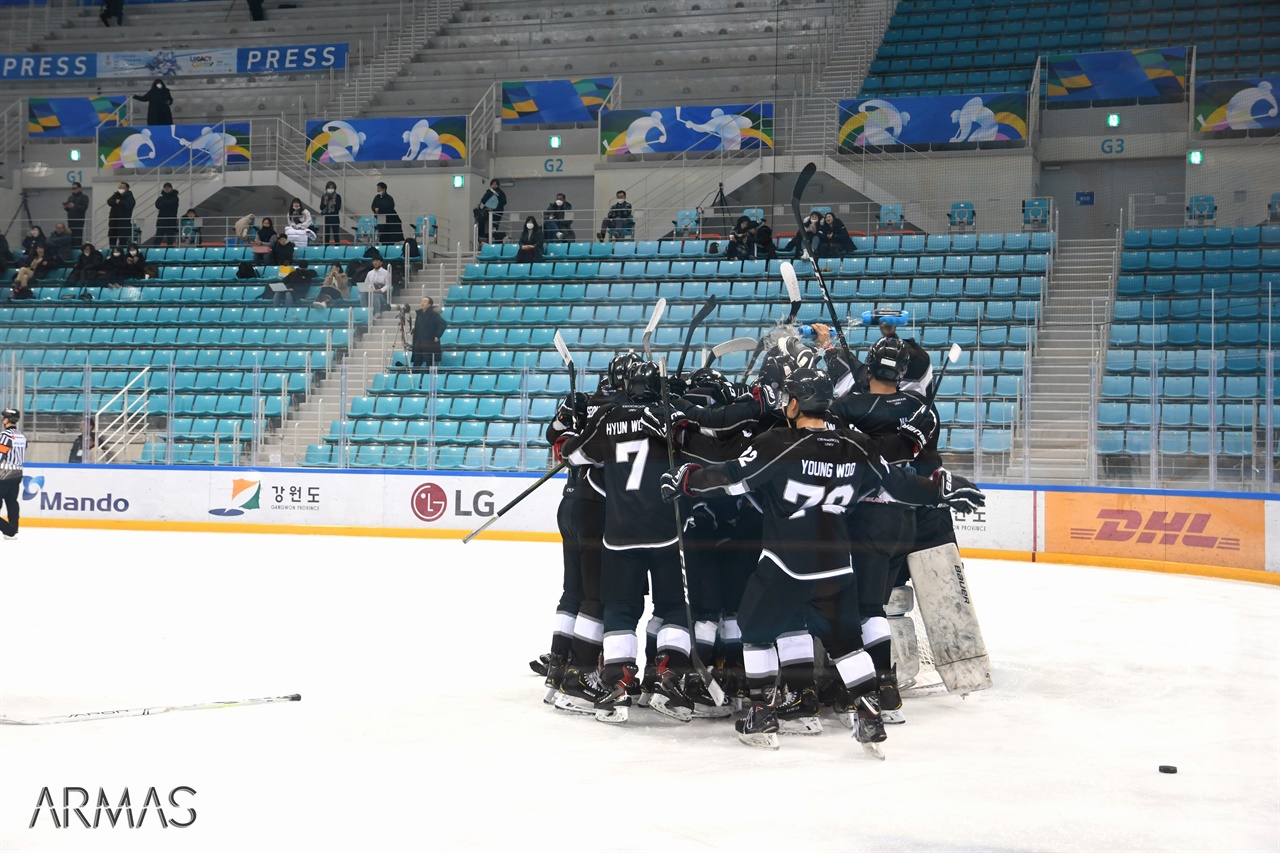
x,y
654,319
730,346
796,194
953,355
500,513
713,686
145,712
703,313
792,285
573,381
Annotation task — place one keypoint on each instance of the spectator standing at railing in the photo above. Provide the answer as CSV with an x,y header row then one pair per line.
x,y
374,286
557,223
159,101
77,208
390,228
530,241
255,10
330,208
120,216
489,212
112,9
428,328
167,215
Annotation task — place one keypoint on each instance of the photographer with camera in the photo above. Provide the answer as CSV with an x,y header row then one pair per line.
x,y
428,327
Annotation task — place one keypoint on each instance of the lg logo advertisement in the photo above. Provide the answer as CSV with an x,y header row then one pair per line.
x,y
431,503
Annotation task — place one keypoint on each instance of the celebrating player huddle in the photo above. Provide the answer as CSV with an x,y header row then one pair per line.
x,y
796,515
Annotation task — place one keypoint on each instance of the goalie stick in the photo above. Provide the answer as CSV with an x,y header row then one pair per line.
x,y
796,194
713,686
145,712
703,313
654,319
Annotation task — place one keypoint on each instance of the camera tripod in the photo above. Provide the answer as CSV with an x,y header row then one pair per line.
x,y
23,207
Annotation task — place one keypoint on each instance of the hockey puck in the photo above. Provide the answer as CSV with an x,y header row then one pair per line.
x,y
1168,768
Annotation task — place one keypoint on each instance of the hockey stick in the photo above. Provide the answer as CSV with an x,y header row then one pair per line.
x,y
730,346
500,513
145,712
792,285
801,182
703,313
573,381
953,355
713,686
654,319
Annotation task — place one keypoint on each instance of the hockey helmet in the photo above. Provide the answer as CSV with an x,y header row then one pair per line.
x,y
812,389
777,366
619,366
887,360
711,383
10,415
643,382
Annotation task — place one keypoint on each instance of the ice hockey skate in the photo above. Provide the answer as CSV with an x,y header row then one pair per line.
x,y
579,691
539,665
890,698
614,705
868,729
555,665
647,681
798,712
668,699
758,727
704,706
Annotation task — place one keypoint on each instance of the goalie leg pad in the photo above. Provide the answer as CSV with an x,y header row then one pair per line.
x,y
906,651
950,620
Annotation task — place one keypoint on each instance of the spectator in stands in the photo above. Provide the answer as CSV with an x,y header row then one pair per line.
x,y
489,212
61,243
299,235
33,268
6,256
299,215
530,241
742,240
557,224
167,215
35,237
299,283
764,241
255,10
120,216
334,288
112,9
619,224
282,250
374,286
267,233
189,228
159,101
330,207
390,228
77,207
88,266
77,446
135,263
833,238
807,234
114,269
428,327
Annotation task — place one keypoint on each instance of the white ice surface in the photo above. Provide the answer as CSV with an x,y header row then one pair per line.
x,y
421,727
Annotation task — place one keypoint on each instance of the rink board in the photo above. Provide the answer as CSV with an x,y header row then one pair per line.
x,y
1221,534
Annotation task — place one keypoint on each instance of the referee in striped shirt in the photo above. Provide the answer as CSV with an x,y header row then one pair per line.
x,y
13,446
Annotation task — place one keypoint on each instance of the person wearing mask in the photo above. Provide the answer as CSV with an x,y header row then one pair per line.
x,y
428,327
742,240
833,237
530,242
334,288
167,215
807,234
282,250
557,222
159,102
77,208
135,263
390,228
330,208
375,286
120,216
34,267
299,215
618,224
88,266
189,228
114,268
266,233
489,211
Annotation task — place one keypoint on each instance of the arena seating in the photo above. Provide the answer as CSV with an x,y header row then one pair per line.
x,y
953,46
500,380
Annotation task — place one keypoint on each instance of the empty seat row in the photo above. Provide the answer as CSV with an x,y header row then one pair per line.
x,y
187,295
964,440
999,412
1175,442
1191,284
238,254
184,381
154,453
1228,415
1185,387
184,405
103,336
1244,333
259,315
444,431
424,457
1185,360
466,407
204,359
1215,308
1196,261
1244,237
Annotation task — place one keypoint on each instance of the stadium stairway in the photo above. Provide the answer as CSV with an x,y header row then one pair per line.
x,y
1077,306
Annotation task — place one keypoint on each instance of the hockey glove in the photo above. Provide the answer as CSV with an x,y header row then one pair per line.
x,y
672,484
558,448
652,422
957,492
920,427
769,399
701,518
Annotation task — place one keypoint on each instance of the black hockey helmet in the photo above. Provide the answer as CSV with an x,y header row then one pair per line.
x,y
11,415
619,367
812,389
711,383
644,382
887,360
777,366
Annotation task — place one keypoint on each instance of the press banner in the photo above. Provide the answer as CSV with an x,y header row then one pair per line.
x,y
174,63
1172,528
379,139
173,145
657,130
573,101
1158,72
1236,104
60,118
933,119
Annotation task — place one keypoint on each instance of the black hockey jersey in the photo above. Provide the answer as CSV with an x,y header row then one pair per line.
x,y
879,415
804,481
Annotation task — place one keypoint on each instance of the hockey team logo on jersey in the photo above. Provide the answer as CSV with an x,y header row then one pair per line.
x,y
245,494
429,502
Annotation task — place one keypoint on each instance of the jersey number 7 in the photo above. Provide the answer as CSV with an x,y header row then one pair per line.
x,y
813,495
640,450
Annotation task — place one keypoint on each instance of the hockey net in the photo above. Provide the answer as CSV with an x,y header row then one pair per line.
x,y
910,644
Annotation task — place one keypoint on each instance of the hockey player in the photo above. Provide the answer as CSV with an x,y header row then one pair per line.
x,y
805,476
628,441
